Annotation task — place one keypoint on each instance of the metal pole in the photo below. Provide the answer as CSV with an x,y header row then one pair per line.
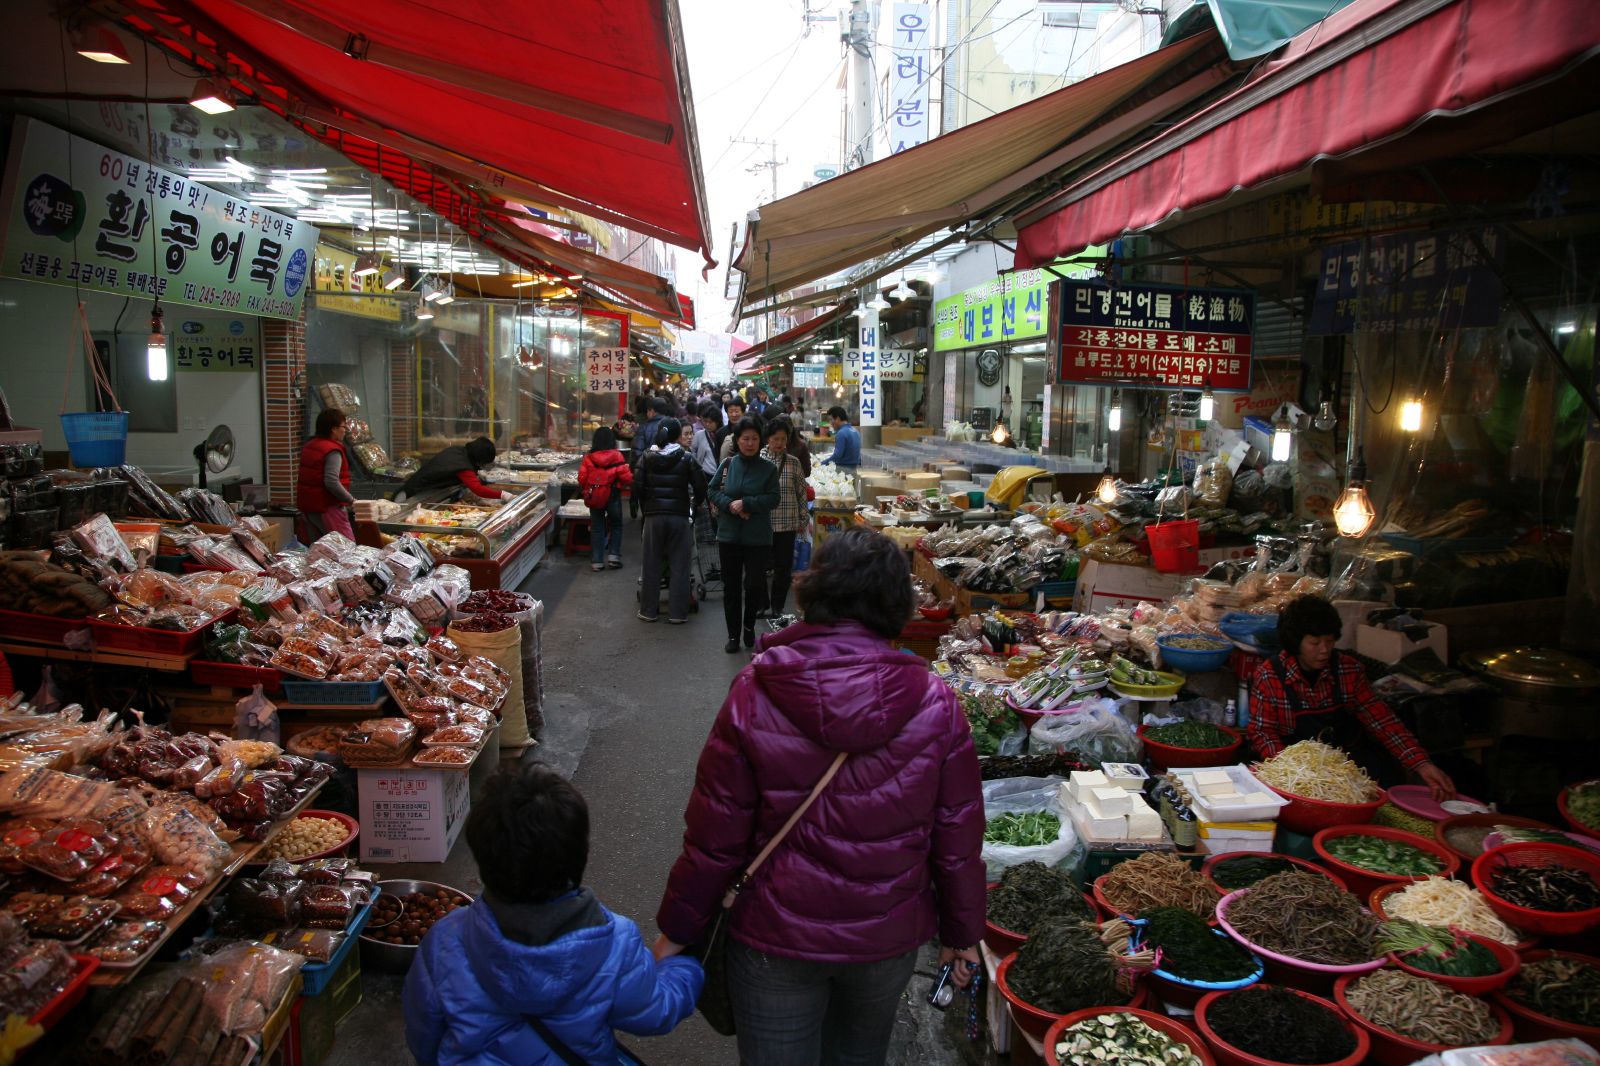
x,y
859,39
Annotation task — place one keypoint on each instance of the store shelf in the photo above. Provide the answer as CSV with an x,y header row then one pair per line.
x,y
172,664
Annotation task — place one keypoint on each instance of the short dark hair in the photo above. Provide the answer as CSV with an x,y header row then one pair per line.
x,y
1307,616
838,412
529,835
776,425
709,410
748,422
480,451
668,432
734,401
857,575
605,439
328,420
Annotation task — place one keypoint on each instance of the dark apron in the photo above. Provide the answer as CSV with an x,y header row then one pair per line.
x,y
1336,724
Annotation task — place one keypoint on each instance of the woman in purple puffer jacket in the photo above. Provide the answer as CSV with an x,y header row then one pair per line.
x,y
824,937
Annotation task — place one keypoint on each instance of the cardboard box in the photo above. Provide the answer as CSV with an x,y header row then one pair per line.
x,y
1105,585
411,815
1390,646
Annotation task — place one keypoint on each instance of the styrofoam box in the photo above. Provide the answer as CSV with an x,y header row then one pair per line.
x,y
411,815
1244,782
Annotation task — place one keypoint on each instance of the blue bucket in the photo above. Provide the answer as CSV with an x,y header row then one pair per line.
x,y
96,438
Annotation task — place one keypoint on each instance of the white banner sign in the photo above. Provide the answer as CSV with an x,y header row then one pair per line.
x,y
910,36
869,389
810,375
606,368
894,364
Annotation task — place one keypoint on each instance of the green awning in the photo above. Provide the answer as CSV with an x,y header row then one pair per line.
x,y
1250,28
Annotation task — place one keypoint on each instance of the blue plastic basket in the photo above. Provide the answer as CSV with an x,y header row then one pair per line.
x,y
345,693
96,438
317,975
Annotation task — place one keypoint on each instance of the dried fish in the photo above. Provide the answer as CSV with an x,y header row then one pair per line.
x,y
1421,1009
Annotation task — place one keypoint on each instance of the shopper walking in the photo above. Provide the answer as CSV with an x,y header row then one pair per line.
x,y
824,936
322,490
602,477
745,491
669,485
788,517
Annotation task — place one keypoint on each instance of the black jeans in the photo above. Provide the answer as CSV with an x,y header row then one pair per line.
x,y
797,1012
669,537
744,578
782,567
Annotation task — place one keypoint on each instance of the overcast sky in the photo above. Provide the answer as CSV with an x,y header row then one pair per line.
x,y
756,75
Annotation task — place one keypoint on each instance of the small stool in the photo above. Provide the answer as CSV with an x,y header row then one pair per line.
x,y
574,526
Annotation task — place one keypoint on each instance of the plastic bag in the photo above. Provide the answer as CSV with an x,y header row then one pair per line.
x,y
1023,795
1201,710
1095,731
47,700
256,718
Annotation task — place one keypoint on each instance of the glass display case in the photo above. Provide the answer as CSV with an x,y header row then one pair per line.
x,y
498,546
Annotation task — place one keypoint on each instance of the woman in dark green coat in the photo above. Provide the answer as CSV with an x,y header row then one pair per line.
x,y
744,490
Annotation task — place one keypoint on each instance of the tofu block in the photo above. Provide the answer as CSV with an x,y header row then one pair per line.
x,y
1110,800
1103,828
1084,781
1144,824
1227,799
1212,777
1253,798
1211,789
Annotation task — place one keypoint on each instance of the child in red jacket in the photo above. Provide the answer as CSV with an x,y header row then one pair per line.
x,y
602,478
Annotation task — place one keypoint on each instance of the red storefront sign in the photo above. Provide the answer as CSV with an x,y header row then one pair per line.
x,y
1154,336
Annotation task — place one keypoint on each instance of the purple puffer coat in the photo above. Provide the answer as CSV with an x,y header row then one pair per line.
x,y
887,857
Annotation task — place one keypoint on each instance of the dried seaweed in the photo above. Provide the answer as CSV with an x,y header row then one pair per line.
x,y
1067,966
1276,1024
1030,892
1421,1009
1561,987
1156,879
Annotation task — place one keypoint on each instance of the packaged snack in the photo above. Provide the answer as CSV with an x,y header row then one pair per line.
x,y
444,649
191,773
110,874
266,904
76,919
34,976
326,907
16,834
378,741
313,945
68,851
156,895
477,716
182,839
259,796
192,880
245,982
24,905
99,538
37,791
123,943
298,664
444,755
326,871
465,735
222,779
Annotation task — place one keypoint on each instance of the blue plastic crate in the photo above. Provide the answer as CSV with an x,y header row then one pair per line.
x,y
1052,589
316,975
348,693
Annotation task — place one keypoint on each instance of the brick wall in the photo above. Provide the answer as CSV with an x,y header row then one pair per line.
x,y
284,366
402,398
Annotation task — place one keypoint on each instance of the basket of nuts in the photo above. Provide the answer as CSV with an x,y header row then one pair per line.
x,y
404,913
311,835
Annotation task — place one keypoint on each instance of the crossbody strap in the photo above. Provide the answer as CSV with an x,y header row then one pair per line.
x,y
772,845
555,1043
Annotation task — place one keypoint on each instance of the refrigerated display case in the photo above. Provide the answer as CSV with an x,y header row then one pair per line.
x,y
498,546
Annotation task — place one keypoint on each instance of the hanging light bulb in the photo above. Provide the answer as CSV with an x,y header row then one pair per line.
x,y
878,303
1353,514
902,291
1106,491
1208,404
857,311
424,311
1326,419
1282,436
155,350
999,435
1114,416
1411,415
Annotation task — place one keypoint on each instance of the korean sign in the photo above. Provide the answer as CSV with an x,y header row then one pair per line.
x,y
229,344
894,364
334,276
1155,336
1401,282
117,224
606,369
869,391
909,40
810,376
1013,307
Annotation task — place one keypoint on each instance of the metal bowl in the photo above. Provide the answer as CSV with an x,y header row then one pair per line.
x,y
396,958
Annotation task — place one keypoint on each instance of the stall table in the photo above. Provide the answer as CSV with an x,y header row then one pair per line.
x,y
509,543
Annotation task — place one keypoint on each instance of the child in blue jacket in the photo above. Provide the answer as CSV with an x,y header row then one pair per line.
x,y
537,945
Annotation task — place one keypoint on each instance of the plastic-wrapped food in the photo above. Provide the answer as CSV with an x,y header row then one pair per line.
x,y
430,722
258,796
191,773
16,834
156,895
246,982
299,664
125,942
267,599
467,735
325,871
34,976
76,918
98,537
444,649
335,547
222,779
326,907
69,849
45,793
252,546
313,945
149,589
266,904
378,741
182,839
108,875
475,716
445,755
22,906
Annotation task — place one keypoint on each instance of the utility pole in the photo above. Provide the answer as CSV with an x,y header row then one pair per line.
x,y
772,162
860,38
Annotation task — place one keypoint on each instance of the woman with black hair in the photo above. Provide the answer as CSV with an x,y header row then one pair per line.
x,y
1312,691
669,485
602,477
454,471
788,517
745,491
322,491
825,935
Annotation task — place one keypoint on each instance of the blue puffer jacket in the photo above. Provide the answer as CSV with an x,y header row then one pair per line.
x,y
470,989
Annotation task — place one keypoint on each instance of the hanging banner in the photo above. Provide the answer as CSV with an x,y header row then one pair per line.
x,y
869,392
1010,307
605,369
1408,282
810,375
80,214
1154,336
909,40
213,345
338,289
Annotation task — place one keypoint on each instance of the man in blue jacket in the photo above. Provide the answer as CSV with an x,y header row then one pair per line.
x,y
537,961
846,442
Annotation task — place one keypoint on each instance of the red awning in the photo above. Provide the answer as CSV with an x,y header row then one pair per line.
x,y
757,353
584,107
1373,73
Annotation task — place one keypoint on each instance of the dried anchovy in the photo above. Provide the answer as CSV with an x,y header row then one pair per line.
x,y
1306,916
1154,880
1560,986
1421,1009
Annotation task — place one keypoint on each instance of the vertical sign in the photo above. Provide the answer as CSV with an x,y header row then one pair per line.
x,y
952,368
908,76
606,369
868,387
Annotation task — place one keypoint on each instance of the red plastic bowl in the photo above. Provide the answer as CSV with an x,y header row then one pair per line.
x,y
1531,1025
1170,756
935,614
353,829
1376,900
1489,818
1294,860
1546,923
1361,880
1306,815
1159,1022
1566,812
1036,1022
1111,911
1391,1049
1003,941
1510,963
1228,1055
1284,970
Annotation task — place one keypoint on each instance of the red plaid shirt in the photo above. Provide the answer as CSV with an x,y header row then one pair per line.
x,y
1272,718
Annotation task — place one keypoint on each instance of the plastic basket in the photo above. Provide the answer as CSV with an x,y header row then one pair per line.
x,y
1036,1022
1361,880
1175,546
96,438
37,628
318,975
1547,923
233,675
346,693
1510,963
113,636
1389,1048
1532,1025
1229,1055
1284,969
1578,826
1170,756
1307,815
1218,859
1154,1019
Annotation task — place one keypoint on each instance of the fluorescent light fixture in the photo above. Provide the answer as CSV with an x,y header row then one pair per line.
x,y
291,190
878,303
424,312
99,43
1208,405
447,294
212,97
1114,416
1411,415
155,349
1282,436
367,263
1567,327
432,291
393,279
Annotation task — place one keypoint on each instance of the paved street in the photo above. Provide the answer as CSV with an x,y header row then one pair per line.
x,y
628,706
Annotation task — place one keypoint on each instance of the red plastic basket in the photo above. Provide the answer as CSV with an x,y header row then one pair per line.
x,y
1003,941
1361,880
1036,1022
1547,923
113,636
1306,815
1533,1026
1167,756
1375,903
1566,812
1293,860
1175,546
233,675
1228,1055
1154,1019
1441,830
37,628
1389,1048
69,997
1510,962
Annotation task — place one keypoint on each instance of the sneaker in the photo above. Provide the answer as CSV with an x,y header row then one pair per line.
x,y
676,621
597,567
732,646
614,562
644,617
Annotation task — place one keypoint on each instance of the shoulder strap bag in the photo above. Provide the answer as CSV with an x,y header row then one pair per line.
x,y
712,951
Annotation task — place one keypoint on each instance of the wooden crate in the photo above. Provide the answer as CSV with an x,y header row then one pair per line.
x,y
966,601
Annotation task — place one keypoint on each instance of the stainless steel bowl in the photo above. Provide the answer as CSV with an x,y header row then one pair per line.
x,y
396,958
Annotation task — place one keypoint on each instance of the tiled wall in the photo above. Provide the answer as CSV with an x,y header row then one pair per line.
x,y
284,365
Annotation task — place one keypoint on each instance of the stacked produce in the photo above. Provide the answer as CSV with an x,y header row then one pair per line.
x,y
1068,965
1155,880
1420,1009
1305,916
999,558
1560,986
1031,892
306,909
1280,1026
1242,871
1446,904
1189,734
1121,1038
1318,771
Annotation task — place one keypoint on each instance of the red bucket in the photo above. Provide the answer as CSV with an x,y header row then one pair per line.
x,y
1175,546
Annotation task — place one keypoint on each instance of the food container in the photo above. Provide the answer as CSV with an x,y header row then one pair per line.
x,y
1510,963
1036,1022
114,636
77,988
1186,992
1154,1019
1418,800
1538,674
1170,685
1169,756
235,675
396,958
1295,861
1391,1049
1104,904
1362,881
1531,1025
1228,1055
1003,941
1191,660
352,827
1572,820
1283,970
1441,830
1306,815
1379,895
1546,923
1244,782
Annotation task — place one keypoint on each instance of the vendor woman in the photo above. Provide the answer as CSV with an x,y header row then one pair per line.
x,y
1310,691
452,469
322,490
